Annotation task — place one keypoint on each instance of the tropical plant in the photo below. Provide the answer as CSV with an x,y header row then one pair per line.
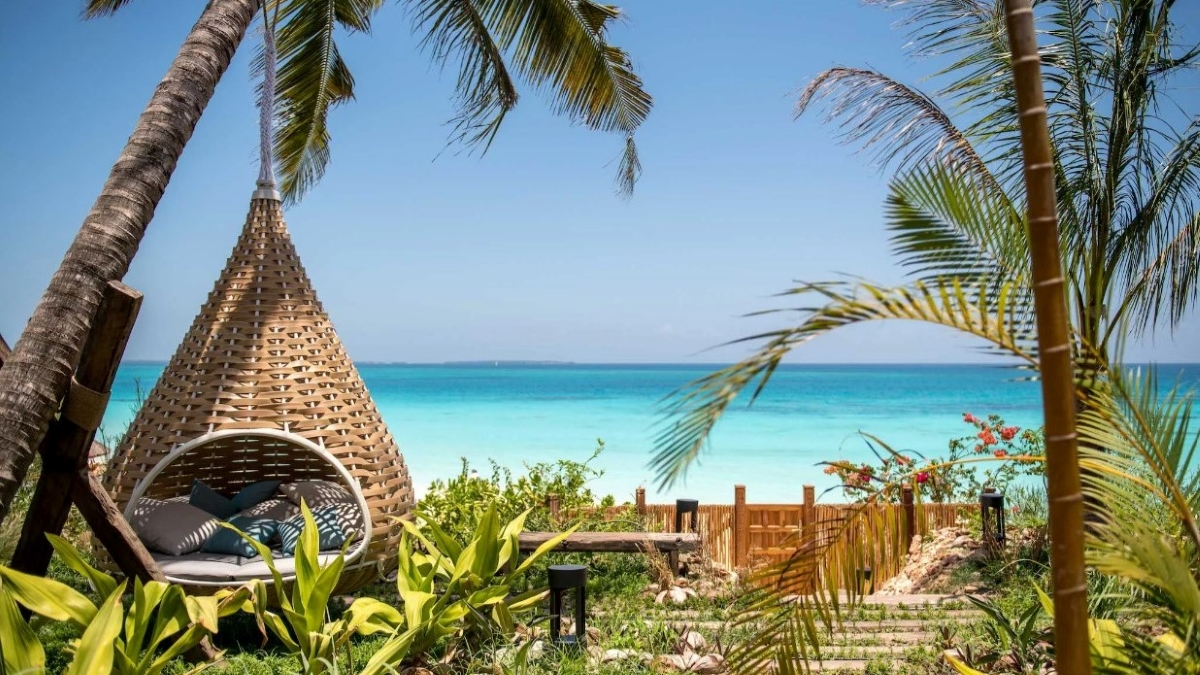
x,y
457,504
560,48
161,621
300,622
483,572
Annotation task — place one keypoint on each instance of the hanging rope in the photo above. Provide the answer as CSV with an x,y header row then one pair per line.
x,y
266,109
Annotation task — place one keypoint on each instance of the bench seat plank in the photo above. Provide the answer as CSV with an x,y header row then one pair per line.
x,y
614,542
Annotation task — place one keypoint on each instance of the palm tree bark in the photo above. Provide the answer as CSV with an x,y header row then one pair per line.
x,y
37,374
1058,386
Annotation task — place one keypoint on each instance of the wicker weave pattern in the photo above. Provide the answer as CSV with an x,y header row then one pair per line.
x,y
262,353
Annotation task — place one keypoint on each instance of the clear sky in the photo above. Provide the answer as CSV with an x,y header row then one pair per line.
x,y
422,253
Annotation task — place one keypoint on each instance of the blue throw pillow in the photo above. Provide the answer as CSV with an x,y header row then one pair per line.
x,y
254,494
208,499
329,532
225,540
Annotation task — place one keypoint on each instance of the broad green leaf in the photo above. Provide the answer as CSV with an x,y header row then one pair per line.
x,y
386,660
488,595
368,615
49,598
103,583
94,653
545,548
277,626
527,600
20,651
202,611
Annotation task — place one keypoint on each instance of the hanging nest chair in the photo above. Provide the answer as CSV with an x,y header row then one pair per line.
x,y
261,389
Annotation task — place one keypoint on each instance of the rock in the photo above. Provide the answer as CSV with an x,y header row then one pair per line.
x,y
709,664
652,588
690,640
611,655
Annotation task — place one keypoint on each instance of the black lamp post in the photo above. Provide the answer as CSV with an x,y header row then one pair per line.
x,y
564,578
691,506
991,508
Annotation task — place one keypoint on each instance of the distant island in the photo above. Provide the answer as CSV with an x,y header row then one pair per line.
x,y
508,363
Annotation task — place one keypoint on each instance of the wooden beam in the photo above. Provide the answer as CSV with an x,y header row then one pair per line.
x,y
113,531
614,542
66,446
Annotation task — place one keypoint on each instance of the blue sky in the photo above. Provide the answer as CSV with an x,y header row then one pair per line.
x,y
423,253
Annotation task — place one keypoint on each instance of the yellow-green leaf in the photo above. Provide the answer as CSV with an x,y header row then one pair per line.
x,y
49,598
20,651
94,653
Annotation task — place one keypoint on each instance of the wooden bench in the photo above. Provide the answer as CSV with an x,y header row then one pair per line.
x,y
617,542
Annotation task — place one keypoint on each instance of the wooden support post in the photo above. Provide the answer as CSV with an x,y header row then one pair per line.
x,y
113,531
910,515
741,526
640,497
65,448
552,505
808,531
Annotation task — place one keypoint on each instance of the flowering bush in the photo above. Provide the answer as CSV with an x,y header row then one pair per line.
x,y
959,477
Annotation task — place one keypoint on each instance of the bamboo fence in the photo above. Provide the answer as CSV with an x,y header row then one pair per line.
x,y
748,535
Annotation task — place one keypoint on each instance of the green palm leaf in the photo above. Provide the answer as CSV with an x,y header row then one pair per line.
x,y
312,78
561,48
998,313
949,224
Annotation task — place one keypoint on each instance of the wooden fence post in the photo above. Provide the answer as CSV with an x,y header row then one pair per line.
x,y
741,526
641,501
910,515
552,505
808,531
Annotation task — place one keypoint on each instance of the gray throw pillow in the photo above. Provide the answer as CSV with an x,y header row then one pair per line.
x,y
272,509
172,527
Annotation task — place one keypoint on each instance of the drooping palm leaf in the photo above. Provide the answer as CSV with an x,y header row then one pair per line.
x,y
97,8
995,313
457,30
312,79
902,125
1140,444
559,47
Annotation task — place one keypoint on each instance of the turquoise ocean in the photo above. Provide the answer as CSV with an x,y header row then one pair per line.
x,y
517,414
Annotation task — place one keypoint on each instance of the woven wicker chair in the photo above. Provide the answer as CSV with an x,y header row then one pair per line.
x,y
261,388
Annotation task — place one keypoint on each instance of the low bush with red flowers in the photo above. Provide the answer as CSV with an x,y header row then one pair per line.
x,y
995,454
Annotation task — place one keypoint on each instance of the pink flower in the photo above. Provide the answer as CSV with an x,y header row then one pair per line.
x,y
970,419
922,476
1000,453
1009,433
987,437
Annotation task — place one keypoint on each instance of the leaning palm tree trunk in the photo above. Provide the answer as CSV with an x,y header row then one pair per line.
x,y
36,375
1072,653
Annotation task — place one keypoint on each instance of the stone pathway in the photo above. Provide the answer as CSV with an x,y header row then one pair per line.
x,y
884,627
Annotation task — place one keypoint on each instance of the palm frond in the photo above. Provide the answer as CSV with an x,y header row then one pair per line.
x,y
951,224
902,125
457,30
312,78
97,8
561,48
995,313
1138,442
794,604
